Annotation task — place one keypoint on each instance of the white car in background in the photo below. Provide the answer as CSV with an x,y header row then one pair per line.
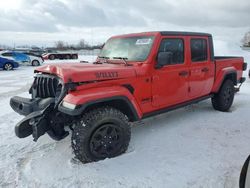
x,y
35,60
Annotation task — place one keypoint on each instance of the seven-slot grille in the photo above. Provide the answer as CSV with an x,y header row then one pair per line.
x,y
45,86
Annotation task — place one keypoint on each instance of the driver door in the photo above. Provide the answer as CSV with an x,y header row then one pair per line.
x,y
170,82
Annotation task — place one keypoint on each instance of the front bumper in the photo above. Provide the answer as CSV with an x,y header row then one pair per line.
x,y
24,106
42,115
35,124
36,111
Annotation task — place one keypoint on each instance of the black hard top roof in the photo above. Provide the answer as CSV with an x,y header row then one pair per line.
x,y
184,33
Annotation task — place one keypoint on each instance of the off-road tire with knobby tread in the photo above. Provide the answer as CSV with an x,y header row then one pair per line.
x,y
91,122
223,100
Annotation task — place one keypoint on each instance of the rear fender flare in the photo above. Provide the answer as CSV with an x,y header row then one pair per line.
x,y
229,72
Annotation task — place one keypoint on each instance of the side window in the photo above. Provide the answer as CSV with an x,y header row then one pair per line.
x,y
198,50
175,47
7,54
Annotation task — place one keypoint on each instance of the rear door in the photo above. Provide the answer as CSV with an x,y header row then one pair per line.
x,y
170,82
20,57
201,69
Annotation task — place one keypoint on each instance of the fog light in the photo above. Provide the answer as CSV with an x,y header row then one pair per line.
x,y
68,105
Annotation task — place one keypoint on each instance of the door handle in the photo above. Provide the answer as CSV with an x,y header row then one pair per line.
x,y
205,69
183,73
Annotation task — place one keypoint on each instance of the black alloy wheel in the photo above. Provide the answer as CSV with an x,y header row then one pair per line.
x,y
106,141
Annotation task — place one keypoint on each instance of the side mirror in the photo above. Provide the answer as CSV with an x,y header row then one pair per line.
x,y
164,58
245,174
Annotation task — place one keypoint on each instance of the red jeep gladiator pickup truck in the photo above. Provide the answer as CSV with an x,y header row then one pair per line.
x,y
134,77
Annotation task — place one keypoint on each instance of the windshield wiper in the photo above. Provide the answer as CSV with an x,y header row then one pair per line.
x,y
102,57
123,59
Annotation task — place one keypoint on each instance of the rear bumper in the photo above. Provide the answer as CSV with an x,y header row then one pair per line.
x,y
242,80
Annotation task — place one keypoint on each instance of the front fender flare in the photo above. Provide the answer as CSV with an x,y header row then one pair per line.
x,y
84,98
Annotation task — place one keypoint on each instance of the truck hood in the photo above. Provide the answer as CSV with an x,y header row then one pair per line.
x,y
76,72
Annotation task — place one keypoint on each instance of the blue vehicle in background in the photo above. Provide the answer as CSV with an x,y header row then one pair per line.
x,y
8,64
23,57
16,56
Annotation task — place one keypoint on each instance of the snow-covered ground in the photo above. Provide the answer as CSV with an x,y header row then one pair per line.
x,y
194,146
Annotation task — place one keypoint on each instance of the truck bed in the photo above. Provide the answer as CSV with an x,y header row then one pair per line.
x,y
226,57
222,62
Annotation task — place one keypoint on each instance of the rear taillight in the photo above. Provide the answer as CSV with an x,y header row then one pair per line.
x,y
244,66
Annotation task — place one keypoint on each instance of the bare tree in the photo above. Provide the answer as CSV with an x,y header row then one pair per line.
x,y
60,45
246,39
81,44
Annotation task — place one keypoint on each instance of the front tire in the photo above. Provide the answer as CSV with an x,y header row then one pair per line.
x,y
223,100
101,133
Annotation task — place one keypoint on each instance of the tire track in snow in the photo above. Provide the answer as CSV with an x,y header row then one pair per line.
x,y
17,155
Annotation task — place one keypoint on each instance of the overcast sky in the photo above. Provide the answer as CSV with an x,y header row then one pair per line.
x,y
42,22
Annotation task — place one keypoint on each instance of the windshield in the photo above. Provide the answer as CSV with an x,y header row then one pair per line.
x,y
132,48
